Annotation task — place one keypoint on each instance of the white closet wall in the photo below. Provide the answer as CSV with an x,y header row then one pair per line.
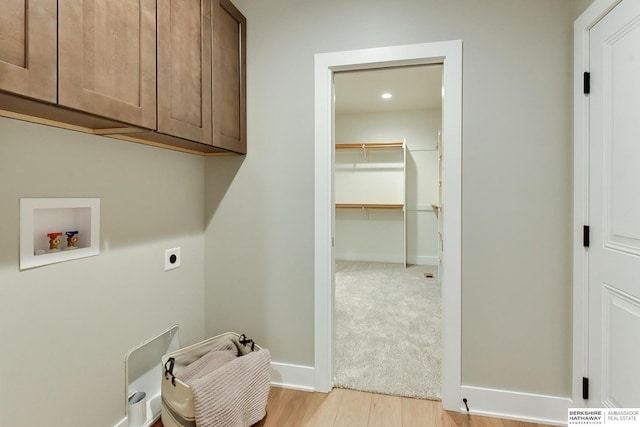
x,y
377,235
370,175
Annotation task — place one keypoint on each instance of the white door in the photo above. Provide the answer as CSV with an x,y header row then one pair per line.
x,y
614,209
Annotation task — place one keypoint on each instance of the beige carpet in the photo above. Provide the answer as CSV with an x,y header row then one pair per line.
x,y
387,322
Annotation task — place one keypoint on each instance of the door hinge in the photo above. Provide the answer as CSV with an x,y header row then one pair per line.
x,y
585,236
586,83
585,388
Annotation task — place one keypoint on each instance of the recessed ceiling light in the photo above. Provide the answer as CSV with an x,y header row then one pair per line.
x,y
386,95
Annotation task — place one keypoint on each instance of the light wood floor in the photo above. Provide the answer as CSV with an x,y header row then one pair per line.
x,y
347,408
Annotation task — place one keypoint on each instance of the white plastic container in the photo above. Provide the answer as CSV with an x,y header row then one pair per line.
x,y
137,409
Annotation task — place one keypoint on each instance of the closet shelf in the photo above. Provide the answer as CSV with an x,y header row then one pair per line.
x,y
369,206
352,146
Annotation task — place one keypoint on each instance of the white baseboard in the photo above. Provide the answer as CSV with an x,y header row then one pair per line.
x,y
395,259
422,260
390,258
533,408
293,376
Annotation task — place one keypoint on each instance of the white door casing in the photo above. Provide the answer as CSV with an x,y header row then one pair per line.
x,y
450,54
606,196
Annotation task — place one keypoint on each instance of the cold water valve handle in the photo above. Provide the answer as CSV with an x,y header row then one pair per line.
x,y
72,238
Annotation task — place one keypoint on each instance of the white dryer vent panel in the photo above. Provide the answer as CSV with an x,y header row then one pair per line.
x,y
143,372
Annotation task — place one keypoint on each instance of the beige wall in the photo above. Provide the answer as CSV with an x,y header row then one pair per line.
x,y
516,179
67,327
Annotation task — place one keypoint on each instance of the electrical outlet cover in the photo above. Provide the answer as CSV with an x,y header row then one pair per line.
x,y
171,259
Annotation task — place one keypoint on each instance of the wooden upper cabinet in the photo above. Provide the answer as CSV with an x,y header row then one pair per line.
x,y
165,72
107,59
229,77
184,69
28,48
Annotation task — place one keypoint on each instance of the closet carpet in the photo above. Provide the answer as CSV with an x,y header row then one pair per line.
x,y
387,321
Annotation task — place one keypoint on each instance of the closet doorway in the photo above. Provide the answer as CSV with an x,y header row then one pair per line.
x,y
388,230
448,53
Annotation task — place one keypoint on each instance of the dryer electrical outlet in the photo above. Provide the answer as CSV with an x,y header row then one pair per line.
x,y
171,259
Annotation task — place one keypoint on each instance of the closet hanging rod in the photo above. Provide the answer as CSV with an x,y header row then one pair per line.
x,y
351,146
368,206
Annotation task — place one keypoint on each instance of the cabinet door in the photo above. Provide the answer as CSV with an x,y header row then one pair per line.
x,y
184,69
28,48
107,58
229,77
